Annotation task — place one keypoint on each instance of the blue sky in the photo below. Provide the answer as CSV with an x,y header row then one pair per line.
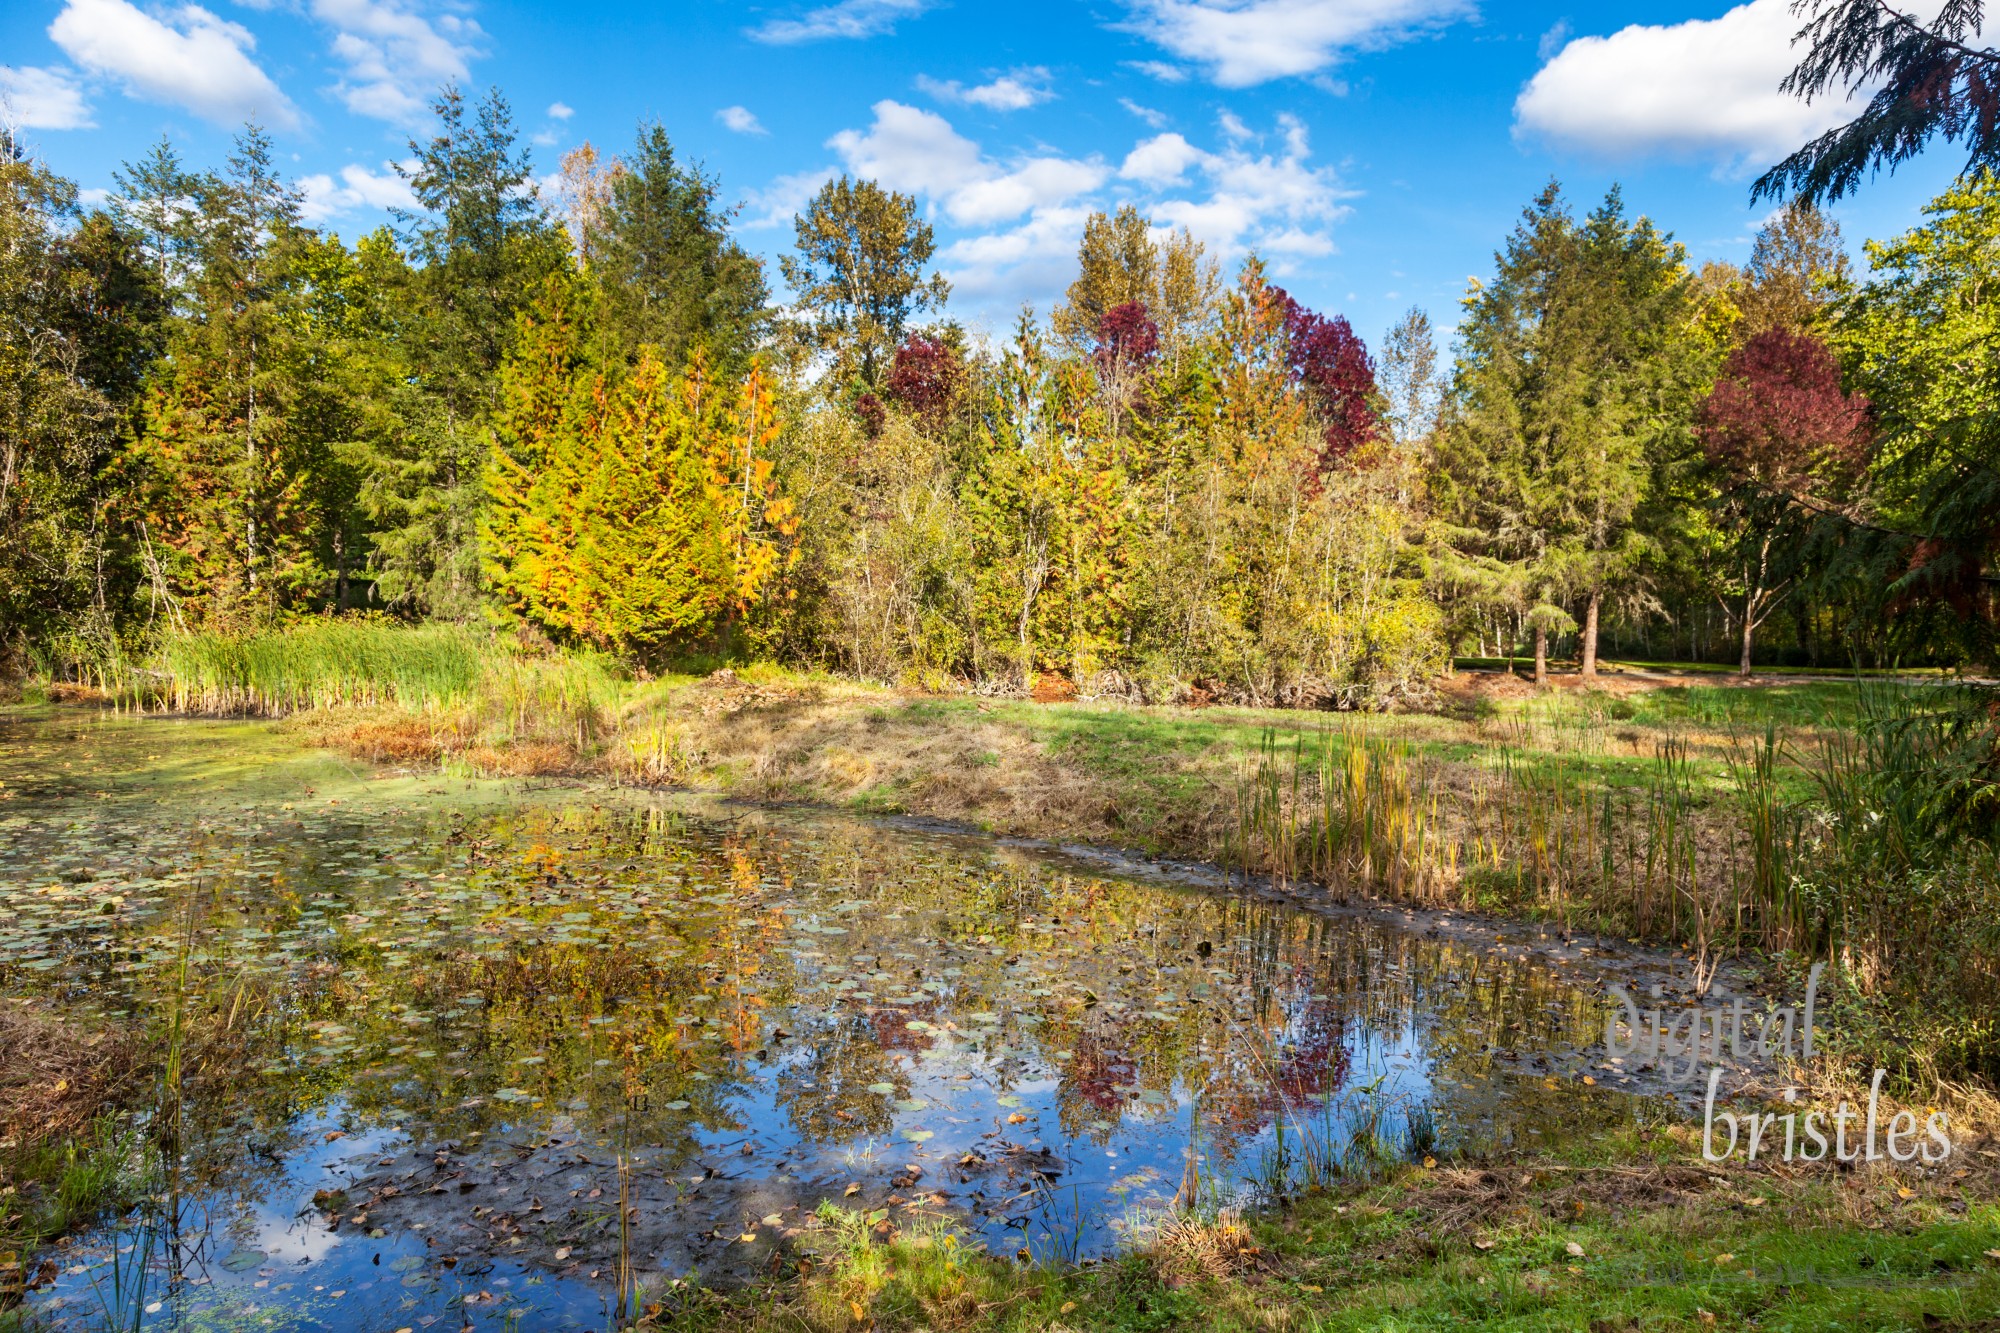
x,y
1375,152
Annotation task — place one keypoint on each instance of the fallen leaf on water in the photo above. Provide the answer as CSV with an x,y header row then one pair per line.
x,y
562,1254
774,1219
747,1237
851,1191
1017,1119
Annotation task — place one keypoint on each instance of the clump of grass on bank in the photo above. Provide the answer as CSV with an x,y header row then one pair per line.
x,y
66,1150
323,664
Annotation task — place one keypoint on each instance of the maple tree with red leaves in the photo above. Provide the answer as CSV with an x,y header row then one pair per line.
x,y
1331,363
926,380
1780,426
1778,418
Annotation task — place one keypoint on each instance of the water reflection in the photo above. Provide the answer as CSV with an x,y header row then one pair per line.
x,y
428,1022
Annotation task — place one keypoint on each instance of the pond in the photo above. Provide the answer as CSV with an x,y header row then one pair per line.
x,y
435,1033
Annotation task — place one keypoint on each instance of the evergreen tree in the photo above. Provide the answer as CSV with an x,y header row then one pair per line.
x,y
669,275
480,249
1571,376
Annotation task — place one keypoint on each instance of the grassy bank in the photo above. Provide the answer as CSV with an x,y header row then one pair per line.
x,y
1621,1232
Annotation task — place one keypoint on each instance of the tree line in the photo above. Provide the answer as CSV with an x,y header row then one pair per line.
x,y
587,417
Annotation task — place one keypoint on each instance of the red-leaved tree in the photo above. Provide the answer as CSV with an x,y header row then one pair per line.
x,y
1781,429
1331,363
926,380
1128,342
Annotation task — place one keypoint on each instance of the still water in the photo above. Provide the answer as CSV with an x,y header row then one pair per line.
x,y
426,1020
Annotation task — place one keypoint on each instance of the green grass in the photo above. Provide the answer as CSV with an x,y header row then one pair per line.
x,y
324,664
1487,1243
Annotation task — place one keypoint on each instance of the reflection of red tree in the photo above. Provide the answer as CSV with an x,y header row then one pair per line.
x,y
891,1026
1315,1061
1099,1073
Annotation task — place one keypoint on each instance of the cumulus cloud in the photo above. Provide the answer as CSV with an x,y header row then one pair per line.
x,y
910,149
1160,161
1703,88
561,111
358,187
187,58
41,99
1276,203
1246,42
396,56
848,19
1015,91
1010,223
783,199
740,119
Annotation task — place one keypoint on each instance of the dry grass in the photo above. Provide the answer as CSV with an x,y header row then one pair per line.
x,y
57,1078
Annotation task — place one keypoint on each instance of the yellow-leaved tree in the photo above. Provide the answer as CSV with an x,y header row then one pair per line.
x,y
638,514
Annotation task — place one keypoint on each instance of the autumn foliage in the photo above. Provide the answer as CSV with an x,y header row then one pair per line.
x,y
1778,419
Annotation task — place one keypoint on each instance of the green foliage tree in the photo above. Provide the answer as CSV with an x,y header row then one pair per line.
x,y
858,277
1917,339
79,315
481,248
668,274
1571,375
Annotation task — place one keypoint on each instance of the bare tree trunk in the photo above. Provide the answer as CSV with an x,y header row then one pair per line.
x,y
1541,655
1749,628
1590,635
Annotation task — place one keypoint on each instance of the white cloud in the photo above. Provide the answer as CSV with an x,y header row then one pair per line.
x,y
41,99
1706,88
188,58
1029,263
396,57
1160,161
1273,203
560,111
1277,203
740,119
1015,91
358,187
784,198
913,150
1245,42
1159,69
1233,126
1157,119
849,18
